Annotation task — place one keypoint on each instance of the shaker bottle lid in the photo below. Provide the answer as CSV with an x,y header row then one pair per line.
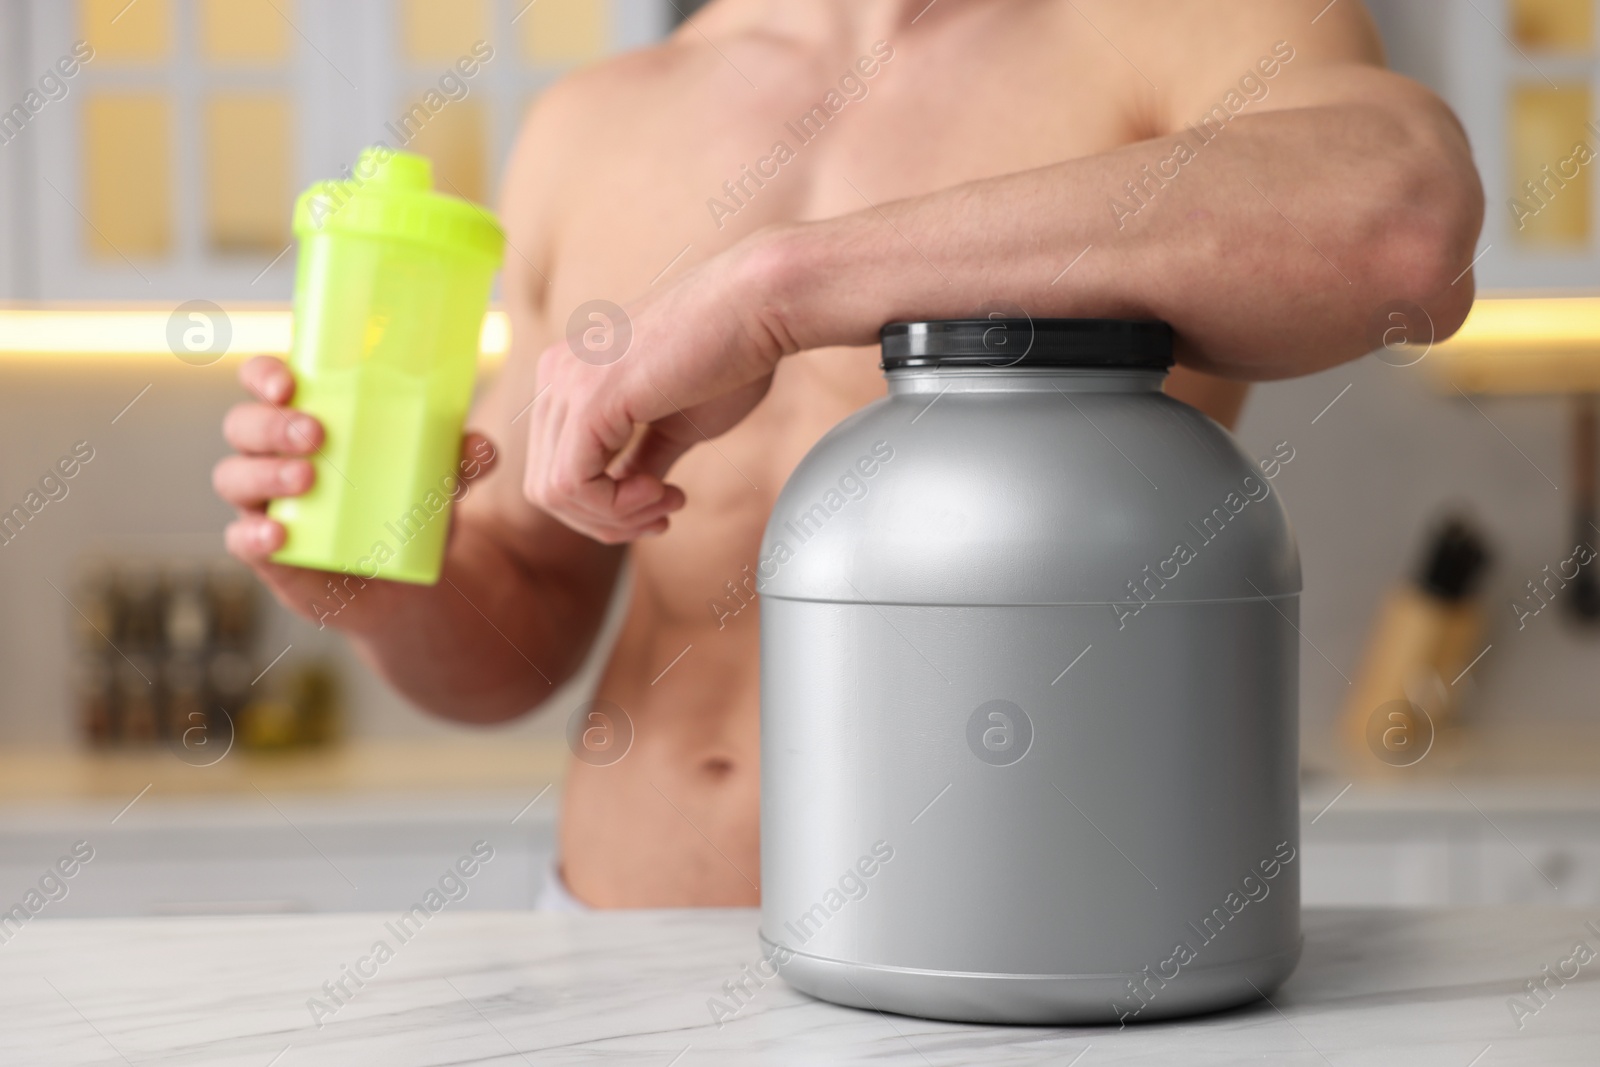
x,y
1137,344
390,195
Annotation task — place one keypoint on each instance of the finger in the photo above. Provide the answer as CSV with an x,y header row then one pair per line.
x,y
548,485
622,535
268,378
592,505
251,481
252,538
572,483
652,518
584,509
653,453
576,471
261,429
478,456
628,502
671,499
544,435
639,492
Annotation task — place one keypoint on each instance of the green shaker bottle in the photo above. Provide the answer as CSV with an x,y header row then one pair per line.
x,y
390,291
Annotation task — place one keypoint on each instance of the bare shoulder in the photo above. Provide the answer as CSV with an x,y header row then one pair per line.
x,y
614,89
580,116
636,110
691,76
1193,50
1200,32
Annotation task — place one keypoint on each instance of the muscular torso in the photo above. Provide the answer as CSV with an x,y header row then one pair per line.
x,y
975,91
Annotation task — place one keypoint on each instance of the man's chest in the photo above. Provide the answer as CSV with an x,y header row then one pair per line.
x,y
699,170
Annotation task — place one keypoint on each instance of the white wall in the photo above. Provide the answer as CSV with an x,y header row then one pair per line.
x,y
345,83
1369,477
13,161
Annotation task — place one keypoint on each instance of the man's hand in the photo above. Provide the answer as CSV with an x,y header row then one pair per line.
x,y
274,444
603,436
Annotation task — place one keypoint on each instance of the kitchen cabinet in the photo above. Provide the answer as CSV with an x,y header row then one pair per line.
x,y
1427,845
294,854
378,851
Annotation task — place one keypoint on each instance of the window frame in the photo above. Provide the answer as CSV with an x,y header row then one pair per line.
x,y
340,98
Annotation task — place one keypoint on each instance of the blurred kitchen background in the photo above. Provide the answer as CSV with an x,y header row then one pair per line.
x,y
222,756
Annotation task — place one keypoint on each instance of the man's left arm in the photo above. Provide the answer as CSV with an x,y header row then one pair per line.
x,y
1269,246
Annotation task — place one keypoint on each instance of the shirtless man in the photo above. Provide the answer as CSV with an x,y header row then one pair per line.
x,y
972,151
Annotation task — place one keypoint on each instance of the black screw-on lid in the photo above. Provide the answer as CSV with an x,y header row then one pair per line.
x,y
1137,344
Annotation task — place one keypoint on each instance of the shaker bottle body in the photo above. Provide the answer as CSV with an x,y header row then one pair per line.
x,y
385,356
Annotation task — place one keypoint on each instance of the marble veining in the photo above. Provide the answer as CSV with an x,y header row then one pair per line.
x,y
1418,988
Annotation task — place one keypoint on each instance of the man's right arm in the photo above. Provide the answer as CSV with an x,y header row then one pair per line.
x,y
521,597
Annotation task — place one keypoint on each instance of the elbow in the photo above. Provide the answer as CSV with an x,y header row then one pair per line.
x,y
1427,212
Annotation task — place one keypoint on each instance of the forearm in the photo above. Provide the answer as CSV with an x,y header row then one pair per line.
x,y
1270,251
494,638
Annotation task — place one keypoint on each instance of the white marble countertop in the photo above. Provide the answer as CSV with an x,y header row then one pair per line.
x,y
1418,988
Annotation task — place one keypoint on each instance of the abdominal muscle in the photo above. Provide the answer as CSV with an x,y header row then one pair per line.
x,y
675,822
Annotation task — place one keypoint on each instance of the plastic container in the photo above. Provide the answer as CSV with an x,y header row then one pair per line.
x,y
1029,677
390,293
